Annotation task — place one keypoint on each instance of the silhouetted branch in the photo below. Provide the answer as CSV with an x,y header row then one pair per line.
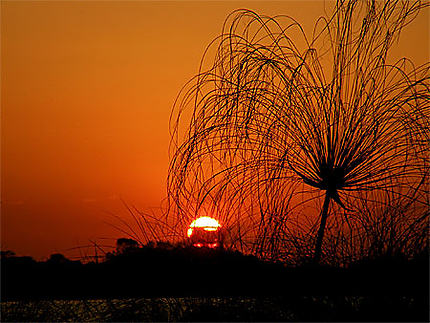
x,y
278,121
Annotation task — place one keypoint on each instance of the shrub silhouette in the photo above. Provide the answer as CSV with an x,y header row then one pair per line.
x,y
281,125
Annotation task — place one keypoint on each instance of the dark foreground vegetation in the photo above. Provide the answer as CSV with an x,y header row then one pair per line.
x,y
219,309
182,283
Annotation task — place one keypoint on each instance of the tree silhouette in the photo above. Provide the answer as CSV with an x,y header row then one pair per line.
x,y
282,124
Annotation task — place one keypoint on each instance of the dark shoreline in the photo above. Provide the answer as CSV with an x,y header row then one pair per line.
x,y
215,285
233,309
155,272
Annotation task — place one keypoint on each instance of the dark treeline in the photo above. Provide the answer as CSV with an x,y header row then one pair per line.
x,y
185,271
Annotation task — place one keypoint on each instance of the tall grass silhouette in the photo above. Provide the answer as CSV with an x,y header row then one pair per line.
x,y
284,136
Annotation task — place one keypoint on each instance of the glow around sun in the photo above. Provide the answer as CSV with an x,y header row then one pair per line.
x,y
205,222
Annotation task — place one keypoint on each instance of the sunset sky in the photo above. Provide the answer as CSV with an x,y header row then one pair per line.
x,y
87,89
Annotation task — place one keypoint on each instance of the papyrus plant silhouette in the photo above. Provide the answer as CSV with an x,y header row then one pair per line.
x,y
282,122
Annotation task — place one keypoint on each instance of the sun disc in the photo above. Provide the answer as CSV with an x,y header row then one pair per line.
x,y
204,222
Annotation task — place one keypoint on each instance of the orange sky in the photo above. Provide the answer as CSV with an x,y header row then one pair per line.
x,y
86,93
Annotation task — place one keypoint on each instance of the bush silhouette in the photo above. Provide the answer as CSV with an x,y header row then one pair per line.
x,y
280,130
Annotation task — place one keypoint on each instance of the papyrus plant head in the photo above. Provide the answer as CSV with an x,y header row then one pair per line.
x,y
282,126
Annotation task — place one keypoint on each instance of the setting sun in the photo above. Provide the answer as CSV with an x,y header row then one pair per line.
x,y
204,222
205,232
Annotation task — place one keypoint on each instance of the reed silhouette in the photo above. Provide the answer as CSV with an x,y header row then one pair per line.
x,y
285,137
